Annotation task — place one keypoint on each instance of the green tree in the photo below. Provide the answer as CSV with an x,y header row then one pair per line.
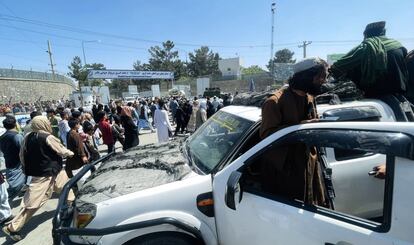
x,y
166,59
138,66
282,56
203,62
119,85
94,66
253,69
80,72
142,83
76,71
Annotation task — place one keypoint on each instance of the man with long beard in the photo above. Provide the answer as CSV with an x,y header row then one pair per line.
x,y
293,171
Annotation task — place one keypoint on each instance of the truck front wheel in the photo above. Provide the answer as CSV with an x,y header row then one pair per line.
x,y
164,238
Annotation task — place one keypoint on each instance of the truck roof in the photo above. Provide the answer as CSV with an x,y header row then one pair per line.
x,y
386,113
253,113
250,113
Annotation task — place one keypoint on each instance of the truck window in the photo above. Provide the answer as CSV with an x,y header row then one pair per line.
x,y
361,114
356,113
215,139
343,155
349,187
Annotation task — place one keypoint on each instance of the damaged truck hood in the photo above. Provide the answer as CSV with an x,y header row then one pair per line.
x,y
138,168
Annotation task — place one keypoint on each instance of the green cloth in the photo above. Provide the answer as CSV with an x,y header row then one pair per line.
x,y
54,124
369,60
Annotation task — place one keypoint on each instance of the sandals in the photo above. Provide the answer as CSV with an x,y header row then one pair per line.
x,y
15,236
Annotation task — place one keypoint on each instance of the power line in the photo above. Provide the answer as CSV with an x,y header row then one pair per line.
x,y
22,57
24,35
89,32
358,41
126,49
43,33
247,46
73,29
84,31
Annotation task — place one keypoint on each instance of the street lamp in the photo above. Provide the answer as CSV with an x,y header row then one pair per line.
x,y
272,8
83,48
83,51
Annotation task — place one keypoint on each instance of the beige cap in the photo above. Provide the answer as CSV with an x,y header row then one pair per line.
x,y
307,63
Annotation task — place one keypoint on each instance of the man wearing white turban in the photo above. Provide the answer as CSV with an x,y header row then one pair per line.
x,y
293,171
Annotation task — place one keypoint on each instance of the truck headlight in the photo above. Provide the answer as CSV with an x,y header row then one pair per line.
x,y
84,214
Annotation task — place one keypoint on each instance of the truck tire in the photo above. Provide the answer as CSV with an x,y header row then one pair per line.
x,y
164,238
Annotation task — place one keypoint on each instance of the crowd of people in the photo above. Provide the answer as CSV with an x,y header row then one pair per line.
x,y
26,107
34,153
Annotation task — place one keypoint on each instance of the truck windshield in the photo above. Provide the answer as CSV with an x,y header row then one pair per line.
x,y
215,139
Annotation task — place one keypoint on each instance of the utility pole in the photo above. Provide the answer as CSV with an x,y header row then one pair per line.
x,y
305,43
49,51
273,8
83,51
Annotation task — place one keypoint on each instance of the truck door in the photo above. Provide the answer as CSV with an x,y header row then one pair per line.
x,y
246,214
349,172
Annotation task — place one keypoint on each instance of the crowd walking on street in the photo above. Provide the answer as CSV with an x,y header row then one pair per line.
x,y
54,146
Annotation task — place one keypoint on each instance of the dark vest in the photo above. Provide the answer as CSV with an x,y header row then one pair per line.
x,y
39,158
10,148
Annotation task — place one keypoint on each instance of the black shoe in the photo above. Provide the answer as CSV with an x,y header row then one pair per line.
x,y
15,236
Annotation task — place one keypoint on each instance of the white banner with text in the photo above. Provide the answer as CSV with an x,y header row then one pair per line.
x,y
127,74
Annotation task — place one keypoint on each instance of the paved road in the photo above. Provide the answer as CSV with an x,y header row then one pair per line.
x,y
38,231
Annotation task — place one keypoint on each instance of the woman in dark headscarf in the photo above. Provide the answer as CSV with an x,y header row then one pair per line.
x,y
131,129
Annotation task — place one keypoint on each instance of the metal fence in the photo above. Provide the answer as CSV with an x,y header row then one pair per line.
x,y
23,74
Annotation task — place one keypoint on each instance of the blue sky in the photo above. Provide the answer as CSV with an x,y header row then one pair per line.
x,y
230,27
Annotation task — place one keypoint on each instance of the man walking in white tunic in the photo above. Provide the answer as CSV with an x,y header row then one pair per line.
x,y
162,123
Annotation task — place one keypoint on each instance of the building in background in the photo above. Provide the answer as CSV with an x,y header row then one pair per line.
x,y
100,94
283,71
202,84
231,67
82,99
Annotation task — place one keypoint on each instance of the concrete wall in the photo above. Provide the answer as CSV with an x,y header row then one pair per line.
x,y
232,86
283,71
230,67
30,90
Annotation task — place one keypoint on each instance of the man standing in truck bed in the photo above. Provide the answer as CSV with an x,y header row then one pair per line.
x,y
377,66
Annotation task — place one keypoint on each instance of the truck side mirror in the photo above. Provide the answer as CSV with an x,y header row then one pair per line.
x,y
234,193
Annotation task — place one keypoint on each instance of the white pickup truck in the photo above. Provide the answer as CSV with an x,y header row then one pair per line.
x,y
206,190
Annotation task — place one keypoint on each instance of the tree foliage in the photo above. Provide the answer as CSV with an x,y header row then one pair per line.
x,y
282,56
165,58
253,69
119,85
76,70
203,62
94,66
79,72
139,66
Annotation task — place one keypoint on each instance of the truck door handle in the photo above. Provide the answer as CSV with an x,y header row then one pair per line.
x,y
338,243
